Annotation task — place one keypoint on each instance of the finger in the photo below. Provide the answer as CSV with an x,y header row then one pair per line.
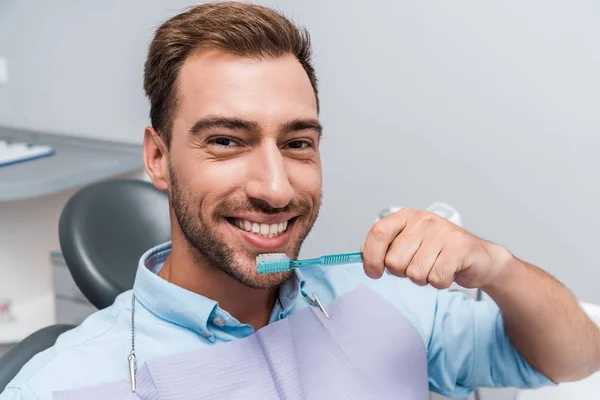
x,y
401,252
443,271
422,262
378,241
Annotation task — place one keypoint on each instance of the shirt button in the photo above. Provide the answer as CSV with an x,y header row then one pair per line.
x,y
206,334
219,321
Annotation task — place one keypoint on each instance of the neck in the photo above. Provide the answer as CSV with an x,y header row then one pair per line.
x,y
247,305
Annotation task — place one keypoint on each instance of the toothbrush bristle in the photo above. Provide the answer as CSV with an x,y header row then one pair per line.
x,y
269,263
271,256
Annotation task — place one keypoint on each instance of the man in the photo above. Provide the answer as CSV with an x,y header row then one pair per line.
x,y
235,141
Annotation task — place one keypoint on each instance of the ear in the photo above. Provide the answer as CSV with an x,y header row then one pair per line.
x,y
156,159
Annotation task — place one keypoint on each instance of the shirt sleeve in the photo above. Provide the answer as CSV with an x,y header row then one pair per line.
x,y
469,348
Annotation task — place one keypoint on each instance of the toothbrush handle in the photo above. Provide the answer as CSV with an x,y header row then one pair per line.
x,y
337,259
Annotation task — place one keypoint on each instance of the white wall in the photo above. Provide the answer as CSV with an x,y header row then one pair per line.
x,y
490,106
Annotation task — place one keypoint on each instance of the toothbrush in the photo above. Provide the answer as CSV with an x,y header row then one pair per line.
x,y
269,263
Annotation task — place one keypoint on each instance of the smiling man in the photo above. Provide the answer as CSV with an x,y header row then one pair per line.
x,y
242,169
235,141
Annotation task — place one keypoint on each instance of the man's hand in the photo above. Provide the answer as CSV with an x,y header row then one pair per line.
x,y
429,249
542,319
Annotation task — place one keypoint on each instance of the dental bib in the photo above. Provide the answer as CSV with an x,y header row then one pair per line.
x,y
366,349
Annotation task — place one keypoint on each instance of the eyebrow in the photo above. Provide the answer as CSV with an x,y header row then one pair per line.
x,y
239,124
301,124
223,122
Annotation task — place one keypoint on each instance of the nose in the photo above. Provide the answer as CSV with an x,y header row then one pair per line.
x,y
268,179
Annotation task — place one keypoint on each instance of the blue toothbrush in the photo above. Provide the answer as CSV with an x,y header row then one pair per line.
x,y
270,263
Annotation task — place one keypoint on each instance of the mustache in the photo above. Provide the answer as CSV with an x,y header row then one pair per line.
x,y
296,206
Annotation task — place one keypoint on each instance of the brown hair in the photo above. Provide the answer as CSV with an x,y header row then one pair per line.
x,y
245,30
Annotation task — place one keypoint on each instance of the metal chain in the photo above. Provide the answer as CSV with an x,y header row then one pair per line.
x,y
131,359
132,323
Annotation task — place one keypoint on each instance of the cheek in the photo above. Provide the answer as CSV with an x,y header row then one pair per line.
x,y
209,180
305,178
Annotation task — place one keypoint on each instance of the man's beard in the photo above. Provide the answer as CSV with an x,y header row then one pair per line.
x,y
211,249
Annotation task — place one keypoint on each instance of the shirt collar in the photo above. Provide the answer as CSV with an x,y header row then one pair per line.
x,y
185,308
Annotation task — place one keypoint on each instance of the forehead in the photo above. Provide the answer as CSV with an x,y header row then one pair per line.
x,y
213,82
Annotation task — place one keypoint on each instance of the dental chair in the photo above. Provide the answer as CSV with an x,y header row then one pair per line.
x,y
104,229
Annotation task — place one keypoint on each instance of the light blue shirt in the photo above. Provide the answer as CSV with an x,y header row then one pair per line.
x,y
465,340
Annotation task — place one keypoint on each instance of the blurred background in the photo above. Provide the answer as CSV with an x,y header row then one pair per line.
x,y
492,107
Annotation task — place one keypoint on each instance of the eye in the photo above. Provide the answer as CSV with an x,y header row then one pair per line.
x,y
224,142
300,145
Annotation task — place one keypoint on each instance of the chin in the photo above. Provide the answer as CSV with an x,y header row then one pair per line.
x,y
261,281
245,272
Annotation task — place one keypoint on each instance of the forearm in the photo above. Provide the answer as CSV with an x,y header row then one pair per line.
x,y
545,322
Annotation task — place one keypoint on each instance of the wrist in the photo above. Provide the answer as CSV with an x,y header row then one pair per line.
x,y
505,267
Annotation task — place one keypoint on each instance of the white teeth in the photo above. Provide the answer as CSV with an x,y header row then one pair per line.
x,y
266,230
